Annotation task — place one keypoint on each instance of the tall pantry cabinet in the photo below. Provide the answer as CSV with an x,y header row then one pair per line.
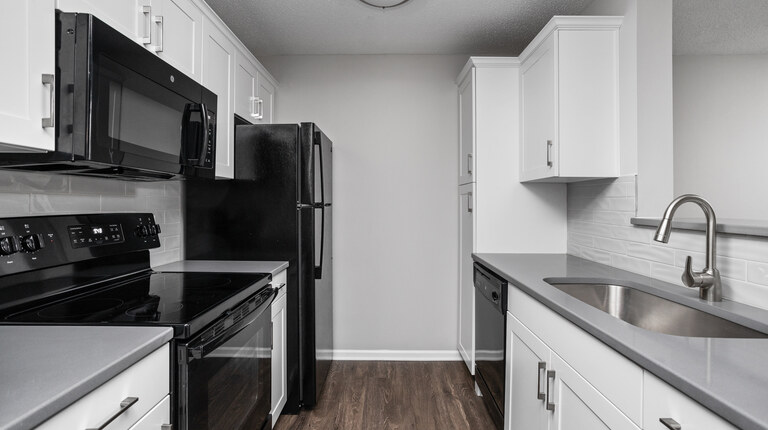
x,y
496,212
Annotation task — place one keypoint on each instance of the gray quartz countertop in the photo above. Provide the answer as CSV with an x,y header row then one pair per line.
x,y
223,266
44,369
728,376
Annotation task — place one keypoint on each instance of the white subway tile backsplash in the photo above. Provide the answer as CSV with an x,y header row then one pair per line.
x,y
631,264
84,185
666,273
24,193
599,229
63,204
612,218
652,253
14,204
596,255
758,273
611,245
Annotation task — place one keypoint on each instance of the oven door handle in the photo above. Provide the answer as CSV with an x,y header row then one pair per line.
x,y
199,351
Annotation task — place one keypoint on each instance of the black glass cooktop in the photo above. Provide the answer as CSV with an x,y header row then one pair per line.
x,y
185,301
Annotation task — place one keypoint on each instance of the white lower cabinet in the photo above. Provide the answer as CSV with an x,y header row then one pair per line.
x,y
661,400
546,393
560,377
148,380
279,358
155,419
466,344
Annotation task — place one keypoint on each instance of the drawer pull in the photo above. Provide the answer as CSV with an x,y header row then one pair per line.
x,y
124,406
670,424
540,394
550,376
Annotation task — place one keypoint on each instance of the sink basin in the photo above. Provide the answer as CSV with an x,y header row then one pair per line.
x,y
654,313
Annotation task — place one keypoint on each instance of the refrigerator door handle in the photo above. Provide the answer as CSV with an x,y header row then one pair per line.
x,y
319,268
321,204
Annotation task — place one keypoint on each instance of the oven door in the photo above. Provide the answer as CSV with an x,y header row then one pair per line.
x,y
225,372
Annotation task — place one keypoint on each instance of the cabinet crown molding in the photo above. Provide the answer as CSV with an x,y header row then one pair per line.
x,y
488,62
559,22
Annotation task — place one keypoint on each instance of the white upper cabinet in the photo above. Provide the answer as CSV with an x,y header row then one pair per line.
x,y
570,101
27,80
126,16
176,34
246,86
467,128
218,76
265,99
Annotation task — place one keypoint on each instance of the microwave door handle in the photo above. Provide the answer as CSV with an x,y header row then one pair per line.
x,y
203,135
199,351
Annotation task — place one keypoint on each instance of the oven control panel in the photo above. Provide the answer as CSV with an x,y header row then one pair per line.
x,y
95,234
37,242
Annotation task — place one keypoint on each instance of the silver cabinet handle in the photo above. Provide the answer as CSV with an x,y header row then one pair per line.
x,y
166,427
550,403
124,406
469,202
539,394
260,110
158,19
253,106
469,164
670,423
50,80
549,153
147,12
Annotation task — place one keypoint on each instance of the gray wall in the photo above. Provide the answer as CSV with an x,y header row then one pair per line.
x,y
25,194
394,123
721,132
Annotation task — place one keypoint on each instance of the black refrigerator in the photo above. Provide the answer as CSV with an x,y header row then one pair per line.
x,y
278,207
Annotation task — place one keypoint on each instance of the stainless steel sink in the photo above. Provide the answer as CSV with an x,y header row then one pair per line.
x,y
654,313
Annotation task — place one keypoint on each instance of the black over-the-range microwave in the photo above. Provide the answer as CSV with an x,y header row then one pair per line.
x,y
121,111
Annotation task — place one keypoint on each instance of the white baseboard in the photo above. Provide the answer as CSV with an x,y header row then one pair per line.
x,y
395,355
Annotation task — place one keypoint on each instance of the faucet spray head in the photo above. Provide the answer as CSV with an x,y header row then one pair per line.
x,y
664,230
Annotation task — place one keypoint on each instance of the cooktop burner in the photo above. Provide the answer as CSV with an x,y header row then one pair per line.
x,y
79,308
164,298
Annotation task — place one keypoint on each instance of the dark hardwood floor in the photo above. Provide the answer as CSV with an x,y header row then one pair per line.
x,y
373,395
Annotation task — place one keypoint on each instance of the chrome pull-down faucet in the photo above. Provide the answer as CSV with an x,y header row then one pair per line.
x,y
708,280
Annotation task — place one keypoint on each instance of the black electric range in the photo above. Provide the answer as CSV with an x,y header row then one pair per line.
x,y
94,270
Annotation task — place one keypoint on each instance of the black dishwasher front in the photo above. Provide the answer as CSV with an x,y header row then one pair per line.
x,y
490,325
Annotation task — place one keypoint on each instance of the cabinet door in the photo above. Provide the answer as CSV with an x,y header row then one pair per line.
x,y
177,33
279,362
527,363
539,158
576,405
466,344
660,400
154,420
467,129
246,81
27,100
218,75
265,97
124,16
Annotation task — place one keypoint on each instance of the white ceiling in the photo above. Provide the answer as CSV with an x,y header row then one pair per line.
x,y
720,27
472,27
476,27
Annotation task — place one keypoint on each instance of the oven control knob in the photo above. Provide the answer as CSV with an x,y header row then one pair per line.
x,y
32,243
152,230
8,246
157,228
143,231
